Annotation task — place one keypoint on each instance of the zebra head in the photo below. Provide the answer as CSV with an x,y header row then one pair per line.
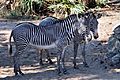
x,y
89,21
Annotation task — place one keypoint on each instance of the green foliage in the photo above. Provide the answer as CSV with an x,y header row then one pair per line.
x,y
103,1
100,3
3,13
23,9
67,6
78,8
27,5
13,14
16,14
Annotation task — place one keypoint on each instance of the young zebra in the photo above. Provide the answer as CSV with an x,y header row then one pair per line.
x,y
60,35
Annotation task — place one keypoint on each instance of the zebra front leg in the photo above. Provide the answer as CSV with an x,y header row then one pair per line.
x,y
62,60
83,54
48,57
75,53
16,60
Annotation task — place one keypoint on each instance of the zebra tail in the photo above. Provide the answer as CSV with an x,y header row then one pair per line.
x,y
10,45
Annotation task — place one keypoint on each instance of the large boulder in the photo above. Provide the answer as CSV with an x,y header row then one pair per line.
x,y
113,55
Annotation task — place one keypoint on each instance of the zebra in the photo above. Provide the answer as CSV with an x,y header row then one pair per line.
x,y
79,38
60,35
46,22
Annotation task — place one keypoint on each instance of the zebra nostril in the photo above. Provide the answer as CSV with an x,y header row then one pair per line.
x,y
95,37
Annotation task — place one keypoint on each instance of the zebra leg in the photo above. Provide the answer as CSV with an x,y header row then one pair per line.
x,y
16,60
62,60
75,53
83,54
20,49
48,57
58,64
60,49
40,56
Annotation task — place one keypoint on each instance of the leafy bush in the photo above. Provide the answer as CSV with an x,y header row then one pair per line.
x,y
67,7
27,5
78,8
13,14
101,3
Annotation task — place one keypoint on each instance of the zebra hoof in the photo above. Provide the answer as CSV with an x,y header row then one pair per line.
x,y
21,73
51,62
65,72
76,67
16,74
60,73
41,64
86,65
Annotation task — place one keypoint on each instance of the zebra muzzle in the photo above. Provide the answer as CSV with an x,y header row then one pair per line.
x,y
96,35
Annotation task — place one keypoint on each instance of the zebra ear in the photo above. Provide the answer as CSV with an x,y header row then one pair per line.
x,y
97,15
94,13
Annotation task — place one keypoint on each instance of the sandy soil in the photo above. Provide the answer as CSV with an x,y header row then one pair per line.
x,y
95,50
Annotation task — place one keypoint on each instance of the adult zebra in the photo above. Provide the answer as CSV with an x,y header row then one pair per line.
x,y
78,39
60,34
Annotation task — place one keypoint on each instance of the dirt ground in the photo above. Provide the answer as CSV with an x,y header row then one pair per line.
x,y
95,51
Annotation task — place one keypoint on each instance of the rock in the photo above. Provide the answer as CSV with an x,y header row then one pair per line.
x,y
113,54
117,30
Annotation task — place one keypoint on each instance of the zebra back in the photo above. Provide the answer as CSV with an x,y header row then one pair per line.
x,y
48,21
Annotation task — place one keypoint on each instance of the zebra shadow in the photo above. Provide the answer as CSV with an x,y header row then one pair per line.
x,y
49,74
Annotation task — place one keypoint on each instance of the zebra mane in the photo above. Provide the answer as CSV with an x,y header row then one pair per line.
x,y
72,18
64,19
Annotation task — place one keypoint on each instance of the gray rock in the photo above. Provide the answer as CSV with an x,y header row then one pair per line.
x,y
117,30
113,54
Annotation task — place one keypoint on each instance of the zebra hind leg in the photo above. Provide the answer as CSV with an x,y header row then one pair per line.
x,y
20,49
40,57
48,57
16,60
63,62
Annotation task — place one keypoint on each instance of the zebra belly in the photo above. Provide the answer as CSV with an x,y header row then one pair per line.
x,y
53,45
